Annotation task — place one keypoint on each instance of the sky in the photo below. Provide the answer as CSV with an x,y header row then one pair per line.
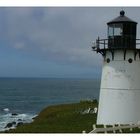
x,y
54,42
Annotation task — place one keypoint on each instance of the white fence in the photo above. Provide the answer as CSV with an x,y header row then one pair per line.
x,y
114,128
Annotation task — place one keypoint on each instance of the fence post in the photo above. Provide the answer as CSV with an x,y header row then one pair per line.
x,y
131,129
120,130
113,128
84,132
94,126
138,124
105,129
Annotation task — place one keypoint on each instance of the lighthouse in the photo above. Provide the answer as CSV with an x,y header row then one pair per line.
x,y
119,99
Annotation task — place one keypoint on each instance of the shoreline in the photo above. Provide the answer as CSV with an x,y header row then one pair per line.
x,y
13,120
62,118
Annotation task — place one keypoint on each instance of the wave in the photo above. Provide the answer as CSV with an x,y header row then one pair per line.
x,y
11,120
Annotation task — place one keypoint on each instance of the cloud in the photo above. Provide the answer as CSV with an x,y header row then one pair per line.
x,y
61,35
19,45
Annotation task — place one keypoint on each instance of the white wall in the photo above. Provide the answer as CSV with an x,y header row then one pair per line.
x,y
119,100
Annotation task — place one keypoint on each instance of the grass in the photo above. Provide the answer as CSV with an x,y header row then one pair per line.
x,y
61,119
66,118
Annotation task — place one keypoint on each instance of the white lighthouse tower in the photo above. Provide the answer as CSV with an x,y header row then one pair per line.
x,y
119,100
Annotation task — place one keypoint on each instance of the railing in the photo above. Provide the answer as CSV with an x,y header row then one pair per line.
x,y
104,44
114,128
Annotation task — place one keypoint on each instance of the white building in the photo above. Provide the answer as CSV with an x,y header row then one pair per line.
x,y
119,100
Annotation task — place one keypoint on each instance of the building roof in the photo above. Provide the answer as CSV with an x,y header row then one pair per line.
x,y
121,19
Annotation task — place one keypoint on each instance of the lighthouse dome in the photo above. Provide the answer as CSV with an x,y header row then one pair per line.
x,y
121,19
122,32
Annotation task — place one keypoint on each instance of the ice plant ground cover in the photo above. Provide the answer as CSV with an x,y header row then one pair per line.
x,y
65,118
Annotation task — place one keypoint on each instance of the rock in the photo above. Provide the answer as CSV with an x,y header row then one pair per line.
x,y
34,118
14,114
92,111
9,125
14,123
95,109
20,123
19,119
86,111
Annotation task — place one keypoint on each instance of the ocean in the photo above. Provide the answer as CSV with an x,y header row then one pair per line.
x,y
23,98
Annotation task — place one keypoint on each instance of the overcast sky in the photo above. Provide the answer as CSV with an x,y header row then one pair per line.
x,y
54,42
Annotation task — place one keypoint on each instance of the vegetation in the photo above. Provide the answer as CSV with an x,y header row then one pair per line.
x,y
66,118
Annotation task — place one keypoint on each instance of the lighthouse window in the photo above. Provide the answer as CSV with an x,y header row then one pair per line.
x,y
107,60
130,60
110,31
115,30
118,30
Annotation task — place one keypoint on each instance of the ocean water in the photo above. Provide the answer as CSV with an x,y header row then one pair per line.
x,y
26,97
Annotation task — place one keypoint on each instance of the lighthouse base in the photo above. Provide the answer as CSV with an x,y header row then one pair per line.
x,y
119,107
119,100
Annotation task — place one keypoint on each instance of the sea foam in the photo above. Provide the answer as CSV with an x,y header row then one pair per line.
x,y
15,119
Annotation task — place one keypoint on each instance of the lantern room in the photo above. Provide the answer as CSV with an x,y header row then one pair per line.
x,y
122,32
